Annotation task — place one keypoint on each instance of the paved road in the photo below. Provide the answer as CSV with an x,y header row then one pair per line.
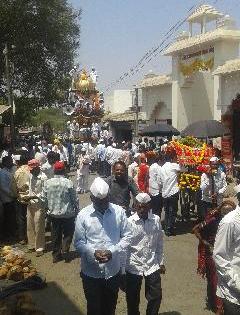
x,y
183,290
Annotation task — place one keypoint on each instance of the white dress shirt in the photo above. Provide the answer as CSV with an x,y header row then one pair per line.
x,y
97,231
36,184
220,186
227,257
169,179
145,253
47,169
131,168
154,179
101,150
109,154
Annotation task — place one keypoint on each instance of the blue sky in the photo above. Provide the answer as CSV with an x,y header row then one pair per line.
x,y
115,34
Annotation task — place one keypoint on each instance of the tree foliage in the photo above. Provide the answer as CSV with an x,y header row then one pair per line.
x,y
52,115
42,37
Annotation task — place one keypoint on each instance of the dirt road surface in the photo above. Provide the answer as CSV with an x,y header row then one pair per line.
x,y
183,290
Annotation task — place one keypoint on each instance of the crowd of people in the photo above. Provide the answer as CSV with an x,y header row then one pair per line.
x,y
120,234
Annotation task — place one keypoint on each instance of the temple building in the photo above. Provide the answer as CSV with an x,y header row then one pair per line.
x,y
205,78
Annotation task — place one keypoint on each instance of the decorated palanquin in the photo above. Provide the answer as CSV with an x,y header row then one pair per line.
x,y
88,100
194,155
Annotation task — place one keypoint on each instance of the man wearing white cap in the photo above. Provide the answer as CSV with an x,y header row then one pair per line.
x,y
226,255
213,186
101,234
144,258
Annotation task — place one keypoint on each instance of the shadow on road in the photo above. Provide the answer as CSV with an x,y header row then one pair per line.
x,y
170,313
184,227
53,301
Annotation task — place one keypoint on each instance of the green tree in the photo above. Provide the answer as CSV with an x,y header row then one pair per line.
x,y
52,115
43,37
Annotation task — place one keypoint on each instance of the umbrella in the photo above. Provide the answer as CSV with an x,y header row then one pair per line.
x,y
159,130
206,129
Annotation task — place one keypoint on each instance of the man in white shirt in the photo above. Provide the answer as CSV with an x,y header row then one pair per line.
x,y
35,209
144,258
7,198
213,186
83,171
226,255
47,168
133,167
101,235
100,151
155,186
170,191
62,151
109,161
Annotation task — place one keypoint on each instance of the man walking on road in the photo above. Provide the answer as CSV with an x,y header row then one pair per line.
x,y
170,191
144,258
226,255
7,199
155,186
101,234
21,186
60,198
121,187
35,210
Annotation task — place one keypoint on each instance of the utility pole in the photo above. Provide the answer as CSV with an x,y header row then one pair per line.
x,y
9,93
136,111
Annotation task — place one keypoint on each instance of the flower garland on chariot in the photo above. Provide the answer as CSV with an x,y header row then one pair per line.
x,y
195,159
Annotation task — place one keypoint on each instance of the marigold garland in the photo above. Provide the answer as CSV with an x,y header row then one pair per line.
x,y
197,158
188,155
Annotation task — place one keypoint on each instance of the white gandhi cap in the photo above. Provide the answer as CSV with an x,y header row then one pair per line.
x,y
143,198
214,159
99,188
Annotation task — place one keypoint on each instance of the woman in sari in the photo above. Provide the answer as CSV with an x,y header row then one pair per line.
x,y
206,232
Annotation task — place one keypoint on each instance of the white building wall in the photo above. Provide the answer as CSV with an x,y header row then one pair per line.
x,y
118,101
203,96
225,50
157,102
196,100
230,88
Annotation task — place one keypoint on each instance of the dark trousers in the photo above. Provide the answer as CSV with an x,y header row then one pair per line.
x,y
101,294
62,234
157,204
21,215
231,308
9,224
170,208
204,208
107,169
101,167
153,293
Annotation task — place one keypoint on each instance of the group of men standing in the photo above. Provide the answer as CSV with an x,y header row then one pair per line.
x,y
108,242
120,232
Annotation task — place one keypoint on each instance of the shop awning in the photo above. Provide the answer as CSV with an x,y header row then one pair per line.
x,y
155,80
127,116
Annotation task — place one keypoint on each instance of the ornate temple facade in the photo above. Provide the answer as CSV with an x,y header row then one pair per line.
x,y
205,77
